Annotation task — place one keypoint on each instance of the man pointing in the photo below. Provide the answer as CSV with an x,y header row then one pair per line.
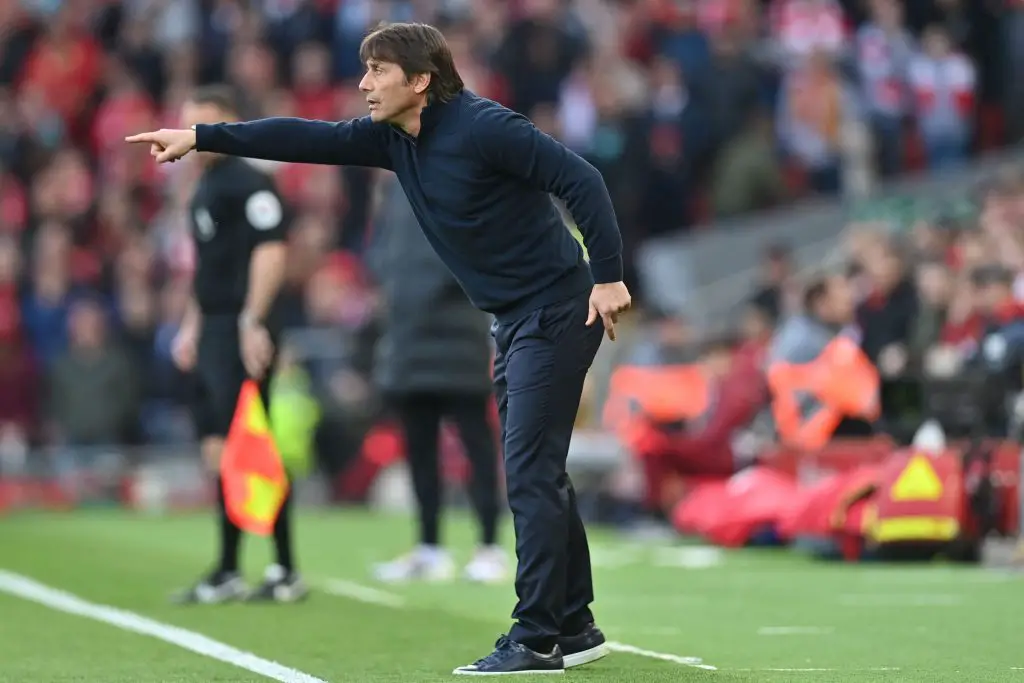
x,y
478,177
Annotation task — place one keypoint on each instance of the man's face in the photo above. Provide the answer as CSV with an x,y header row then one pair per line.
x,y
389,94
933,284
755,324
87,326
777,268
992,295
884,267
193,113
718,362
839,301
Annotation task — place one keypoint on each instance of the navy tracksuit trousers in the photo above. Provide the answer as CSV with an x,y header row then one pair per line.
x,y
540,364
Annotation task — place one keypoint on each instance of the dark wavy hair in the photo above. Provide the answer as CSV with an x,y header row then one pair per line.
x,y
417,49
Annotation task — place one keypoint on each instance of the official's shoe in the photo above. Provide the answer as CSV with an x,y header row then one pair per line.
x,y
215,588
510,657
424,563
489,565
585,647
279,585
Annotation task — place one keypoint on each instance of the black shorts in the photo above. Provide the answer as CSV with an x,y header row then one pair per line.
x,y
219,376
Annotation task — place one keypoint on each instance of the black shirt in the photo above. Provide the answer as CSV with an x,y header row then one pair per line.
x,y
235,208
479,179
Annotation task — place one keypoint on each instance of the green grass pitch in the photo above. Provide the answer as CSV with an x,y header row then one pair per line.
x,y
763,616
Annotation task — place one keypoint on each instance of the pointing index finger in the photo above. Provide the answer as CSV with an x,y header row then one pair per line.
x,y
141,137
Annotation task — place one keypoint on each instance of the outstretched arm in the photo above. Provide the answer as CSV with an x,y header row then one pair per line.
x,y
358,142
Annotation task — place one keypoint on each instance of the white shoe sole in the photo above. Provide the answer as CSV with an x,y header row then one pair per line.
x,y
585,657
470,672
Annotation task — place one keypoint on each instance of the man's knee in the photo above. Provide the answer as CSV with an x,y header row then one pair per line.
x,y
538,491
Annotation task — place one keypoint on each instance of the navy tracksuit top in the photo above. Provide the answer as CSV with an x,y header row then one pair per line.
x,y
479,178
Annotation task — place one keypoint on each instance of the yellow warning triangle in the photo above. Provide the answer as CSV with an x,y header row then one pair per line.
x,y
918,481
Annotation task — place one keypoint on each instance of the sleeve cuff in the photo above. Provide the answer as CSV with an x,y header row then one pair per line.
x,y
607,270
199,128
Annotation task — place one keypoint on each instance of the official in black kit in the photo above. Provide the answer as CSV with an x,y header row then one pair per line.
x,y
239,225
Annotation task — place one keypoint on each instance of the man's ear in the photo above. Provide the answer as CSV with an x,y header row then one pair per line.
x,y
420,83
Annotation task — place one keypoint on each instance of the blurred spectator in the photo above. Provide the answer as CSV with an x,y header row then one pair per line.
x,y
19,389
886,315
63,69
666,340
776,293
92,368
934,285
1013,58
803,28
815,105
733,85
45,308
673,151
748,176
757,325
335,341
539,51
944,87
690,110
884,52
703,447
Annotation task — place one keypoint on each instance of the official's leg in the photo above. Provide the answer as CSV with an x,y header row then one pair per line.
x,y
420,418
230,534
470,415
223,583
281,580
216,358
283,524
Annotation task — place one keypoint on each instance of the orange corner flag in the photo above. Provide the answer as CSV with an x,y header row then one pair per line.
x,y
254,480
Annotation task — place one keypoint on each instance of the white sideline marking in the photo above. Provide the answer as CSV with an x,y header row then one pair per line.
x,y
373,596
361,593
695,662
818,670
794,630
33,591
689,557
901,600
938,576
655,631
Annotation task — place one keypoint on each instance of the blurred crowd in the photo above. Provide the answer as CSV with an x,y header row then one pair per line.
x,y
937,310
691,110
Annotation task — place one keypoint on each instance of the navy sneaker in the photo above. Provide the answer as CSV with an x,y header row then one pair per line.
x,y
586,646
510,657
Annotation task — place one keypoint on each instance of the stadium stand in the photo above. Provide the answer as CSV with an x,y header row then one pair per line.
x,y
699,114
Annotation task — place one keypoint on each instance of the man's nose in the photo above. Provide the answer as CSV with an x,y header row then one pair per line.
x,y
364,84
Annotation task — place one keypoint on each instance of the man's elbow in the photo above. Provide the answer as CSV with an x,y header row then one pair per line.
x,y
587,173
